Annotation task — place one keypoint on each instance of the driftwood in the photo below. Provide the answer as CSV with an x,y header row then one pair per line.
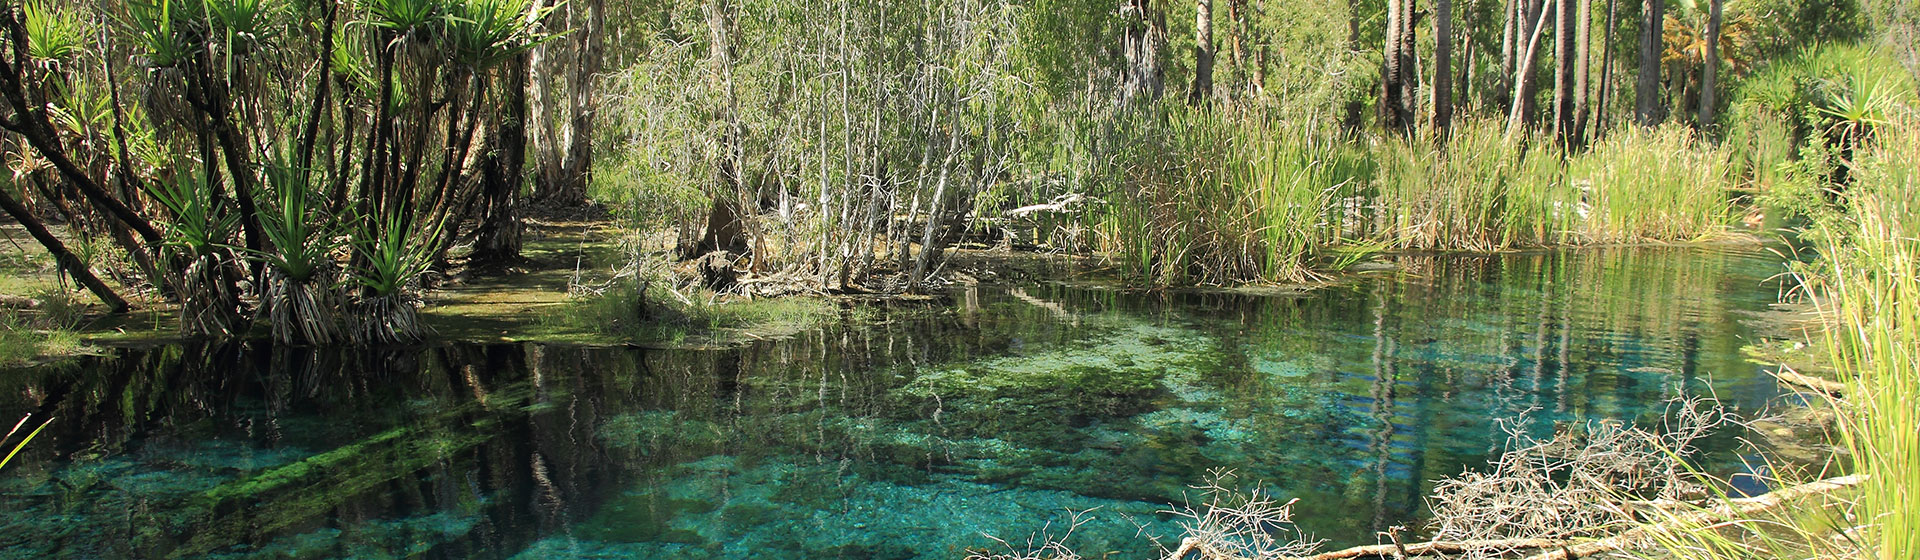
x,y
1058,205
1741,507
1555,549
17,302
1830,387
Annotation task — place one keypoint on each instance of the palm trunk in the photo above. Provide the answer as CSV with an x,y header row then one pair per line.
x,y
1646,91
1564,49
1583,74
1443,67
1600,121
1709,74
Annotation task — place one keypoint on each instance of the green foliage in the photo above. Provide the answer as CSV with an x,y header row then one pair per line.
x,y
1870,280
163,29
1198,197
199,225
1482,190
403,16
303,242
484,33
1655,185
55,31
392,254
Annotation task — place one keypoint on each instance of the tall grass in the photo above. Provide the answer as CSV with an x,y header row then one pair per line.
x,y
1660,184
1872,288
1480,191
1206,198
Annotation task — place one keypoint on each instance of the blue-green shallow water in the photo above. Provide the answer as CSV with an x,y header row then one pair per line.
x,y
909,434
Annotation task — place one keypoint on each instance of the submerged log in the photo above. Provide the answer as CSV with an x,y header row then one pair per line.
x,y
1830,387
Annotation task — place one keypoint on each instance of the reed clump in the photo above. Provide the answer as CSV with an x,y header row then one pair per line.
x,y
1662,184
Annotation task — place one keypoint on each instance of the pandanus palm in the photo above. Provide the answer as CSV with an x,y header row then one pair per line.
x,y
300,295
198,234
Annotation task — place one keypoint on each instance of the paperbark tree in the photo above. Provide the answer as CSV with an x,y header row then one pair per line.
x,y
1145,34
1203,53
563,153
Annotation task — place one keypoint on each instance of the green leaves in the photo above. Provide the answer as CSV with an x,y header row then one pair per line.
x,y
302,243
483,33
54,32
392,259
403,16
160,30
199,225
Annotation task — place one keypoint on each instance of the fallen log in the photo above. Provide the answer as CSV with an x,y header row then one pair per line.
x,y
1830,387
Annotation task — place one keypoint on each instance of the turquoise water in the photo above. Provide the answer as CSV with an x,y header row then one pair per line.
x,y
900,432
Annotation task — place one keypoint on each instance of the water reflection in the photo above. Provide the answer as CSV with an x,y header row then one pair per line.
x,y
905,434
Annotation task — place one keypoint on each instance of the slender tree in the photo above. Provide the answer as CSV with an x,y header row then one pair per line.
x,y
1203,53
1443,66
1396,72
1709,72
1646,88
1583,74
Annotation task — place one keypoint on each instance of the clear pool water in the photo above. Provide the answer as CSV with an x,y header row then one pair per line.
x,y
895,433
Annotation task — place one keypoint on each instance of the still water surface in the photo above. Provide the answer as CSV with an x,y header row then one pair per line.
x,y
894,433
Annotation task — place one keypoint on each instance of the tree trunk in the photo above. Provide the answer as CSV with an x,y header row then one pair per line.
x,y
1565,48
1509,32
1709,73
1396,106
1646,88
1523,74
74,267
1203,53
1583,74
1443,67
543,117
1606,71
504,170
572,188
1145,33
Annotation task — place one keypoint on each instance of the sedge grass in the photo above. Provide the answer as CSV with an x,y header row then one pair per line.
x,y
1660,184
1871,288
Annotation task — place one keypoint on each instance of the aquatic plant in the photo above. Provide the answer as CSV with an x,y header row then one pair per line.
x,y
23,441
1660,184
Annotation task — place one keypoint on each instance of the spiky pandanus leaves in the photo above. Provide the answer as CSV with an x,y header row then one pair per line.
x,y
197,234
55,33
481,34
387,310
301,292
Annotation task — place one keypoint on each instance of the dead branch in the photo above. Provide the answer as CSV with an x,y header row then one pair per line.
x,y
1736,508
